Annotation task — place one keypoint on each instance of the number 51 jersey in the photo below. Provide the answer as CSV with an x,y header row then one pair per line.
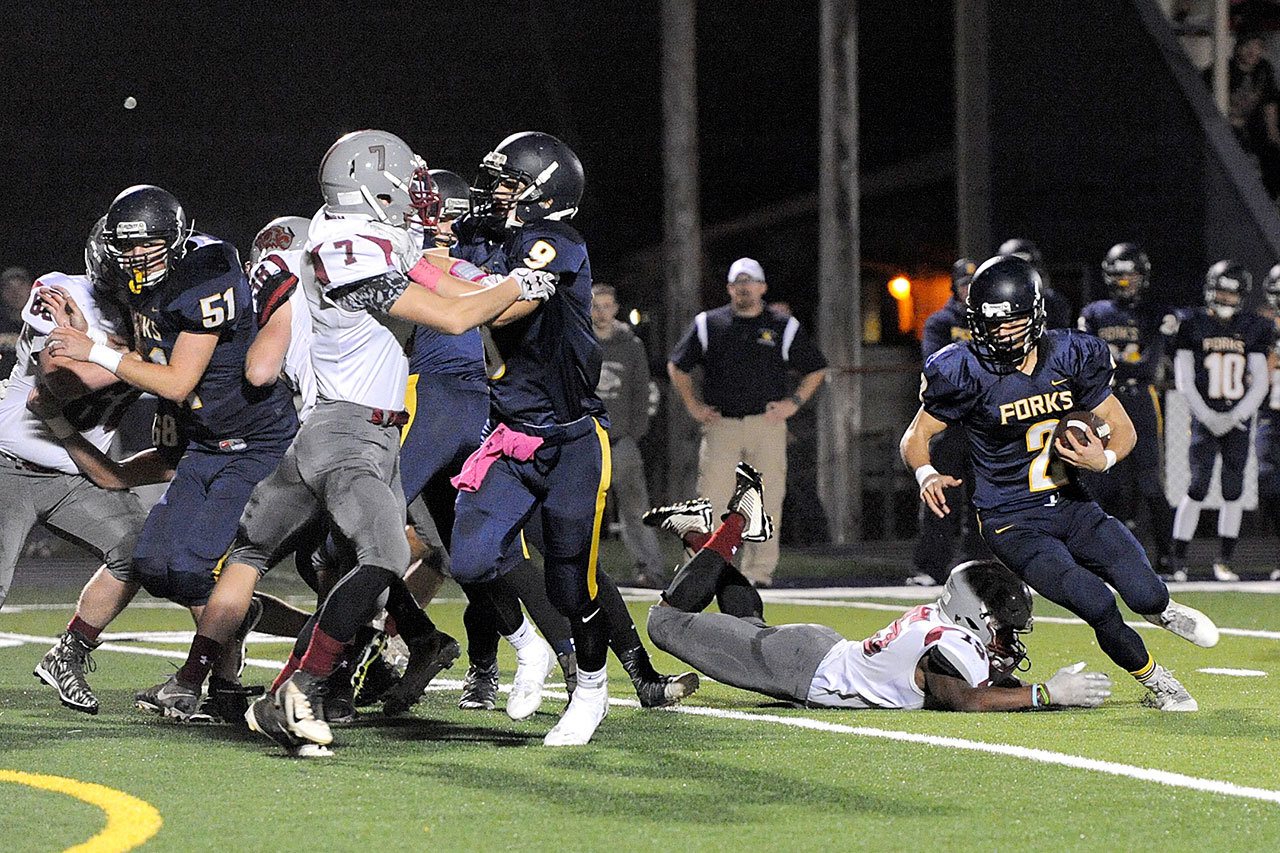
x,y
1220,351
1010,417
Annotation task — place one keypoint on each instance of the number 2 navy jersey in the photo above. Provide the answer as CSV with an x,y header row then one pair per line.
x,y
206,292
1010,418
552,358
1133,336
1220,351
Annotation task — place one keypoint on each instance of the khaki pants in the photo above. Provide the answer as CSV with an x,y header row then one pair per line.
x,y
763,445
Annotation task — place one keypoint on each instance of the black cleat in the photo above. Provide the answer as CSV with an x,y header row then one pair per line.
x,y
680,518
748,501
374,674
339,701
63,668
653,689
174,699
265,717
227,701
427,657
480,688
569,666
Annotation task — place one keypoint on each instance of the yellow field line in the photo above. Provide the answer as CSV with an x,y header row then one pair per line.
x,y
130,821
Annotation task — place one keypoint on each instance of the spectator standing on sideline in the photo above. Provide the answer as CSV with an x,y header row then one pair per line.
x,y
746,350
624,390
1254,108
936,542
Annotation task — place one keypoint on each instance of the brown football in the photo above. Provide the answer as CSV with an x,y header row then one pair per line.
x,y
1078,422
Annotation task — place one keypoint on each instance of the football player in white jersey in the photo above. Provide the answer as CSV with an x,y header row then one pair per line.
x,y
40,483
958,653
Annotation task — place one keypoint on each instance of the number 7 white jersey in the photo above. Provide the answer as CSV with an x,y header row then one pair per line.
x,y
880,671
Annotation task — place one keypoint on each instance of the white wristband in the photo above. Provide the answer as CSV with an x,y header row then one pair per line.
x,y
105,356
97,336
60,427
1111,458
923,473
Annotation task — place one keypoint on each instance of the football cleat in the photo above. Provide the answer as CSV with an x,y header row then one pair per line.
x,y
480,688
1222,572
374,676
339,700
427,656
1275,574
748,501
301,699
533,665
1188,623
63,668
265,717
681,518
173,699
227,701
653,689
1167,693
587,709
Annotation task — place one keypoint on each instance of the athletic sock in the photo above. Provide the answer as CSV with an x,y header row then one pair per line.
x,y
695,540
83,630
290,667
623,636
737,596
1144,674
696,583
204,653
528,583
322,654
523,638
410,620
1226,548
591,679
728,536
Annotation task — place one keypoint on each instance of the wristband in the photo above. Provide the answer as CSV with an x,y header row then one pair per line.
x,y
105,356
924,472
1039,696
425,274
97,336
795,398
466,271
60,427
1111,459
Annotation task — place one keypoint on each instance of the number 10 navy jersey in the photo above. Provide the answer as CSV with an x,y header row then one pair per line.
x,y
1010,418
1220,351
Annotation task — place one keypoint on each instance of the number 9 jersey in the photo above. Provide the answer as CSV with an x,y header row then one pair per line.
x,y
1010,418
1220,351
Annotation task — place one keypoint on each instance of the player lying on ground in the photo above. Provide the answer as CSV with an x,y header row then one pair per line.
x,y
956,654
1010,387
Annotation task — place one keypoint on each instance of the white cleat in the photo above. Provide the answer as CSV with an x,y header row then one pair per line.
x,y
587,708
1188,623
1167,692
1222,572
299,716
533,665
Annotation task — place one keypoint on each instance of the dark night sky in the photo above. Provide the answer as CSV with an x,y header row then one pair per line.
x,y
235,110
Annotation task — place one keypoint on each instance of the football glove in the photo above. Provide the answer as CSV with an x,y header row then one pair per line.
x,y
272,287
1071,687
534,284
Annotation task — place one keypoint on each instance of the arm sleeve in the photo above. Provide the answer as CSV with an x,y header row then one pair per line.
x,y
1093,371
941,396
359,273
1184,379
688,352
1259,387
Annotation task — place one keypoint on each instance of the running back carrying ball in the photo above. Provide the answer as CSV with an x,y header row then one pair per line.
x,y
1079,422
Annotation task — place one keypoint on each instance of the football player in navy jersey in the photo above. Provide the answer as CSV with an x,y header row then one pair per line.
x,y
935,544
1009,387
193,325
1132,331
1057,310
1268,438
1220,366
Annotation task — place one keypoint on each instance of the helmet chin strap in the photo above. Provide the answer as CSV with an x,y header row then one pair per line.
x,y
374,205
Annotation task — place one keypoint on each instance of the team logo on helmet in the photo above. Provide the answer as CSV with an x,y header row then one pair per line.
x,y
275,237
996,309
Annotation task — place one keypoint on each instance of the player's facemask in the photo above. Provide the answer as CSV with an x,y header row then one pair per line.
x,y
1003,343
1006,648
144,263
1224,303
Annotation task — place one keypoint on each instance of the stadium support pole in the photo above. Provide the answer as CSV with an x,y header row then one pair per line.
x,y
1222,50
682,223
973,155
839,271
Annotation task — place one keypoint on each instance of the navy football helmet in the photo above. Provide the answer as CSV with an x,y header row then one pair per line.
x,y
961,274
1226,285
145,234
1005,312
530,176
1127,271
1271,288
1023,248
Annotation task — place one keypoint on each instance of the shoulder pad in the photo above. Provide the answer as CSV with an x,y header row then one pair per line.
x,y
549,245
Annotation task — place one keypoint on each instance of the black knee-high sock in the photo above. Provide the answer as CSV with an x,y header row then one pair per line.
x,y
353,601
591,640
411,620
1226,547
530,586
695,586
492,610
1161,524
623,636
737,596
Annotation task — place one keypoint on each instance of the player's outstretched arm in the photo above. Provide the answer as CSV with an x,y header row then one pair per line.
x,y
914,449
141,469
1069,687
455,315
265,358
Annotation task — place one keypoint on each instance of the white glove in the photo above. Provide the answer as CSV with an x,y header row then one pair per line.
x,y
534,284
1070,686
1220,424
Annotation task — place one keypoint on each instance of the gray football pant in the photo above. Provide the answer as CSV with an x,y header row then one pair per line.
x,y
104,523
631,494
340,465
741,652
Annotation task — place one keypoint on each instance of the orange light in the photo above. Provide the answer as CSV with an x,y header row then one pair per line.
x,y
900,288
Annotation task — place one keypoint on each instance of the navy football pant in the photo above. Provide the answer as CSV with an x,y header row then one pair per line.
x,y
1205,448
1069,553
195,522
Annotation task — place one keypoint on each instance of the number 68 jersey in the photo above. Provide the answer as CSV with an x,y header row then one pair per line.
x,y
1220,350
1010,417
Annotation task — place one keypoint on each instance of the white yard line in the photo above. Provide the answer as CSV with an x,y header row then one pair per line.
x,y
1042,756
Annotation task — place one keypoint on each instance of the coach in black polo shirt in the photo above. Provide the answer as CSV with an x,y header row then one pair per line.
x,y
746,351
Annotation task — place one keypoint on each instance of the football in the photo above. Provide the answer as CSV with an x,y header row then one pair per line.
x,y
1078,422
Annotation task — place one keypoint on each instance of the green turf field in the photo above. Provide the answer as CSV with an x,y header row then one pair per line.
x,y
763,777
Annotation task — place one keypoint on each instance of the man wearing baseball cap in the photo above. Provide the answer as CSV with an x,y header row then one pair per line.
x,y
747,351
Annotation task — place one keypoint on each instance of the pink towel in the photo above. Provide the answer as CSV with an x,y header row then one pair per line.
x,y
501,442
